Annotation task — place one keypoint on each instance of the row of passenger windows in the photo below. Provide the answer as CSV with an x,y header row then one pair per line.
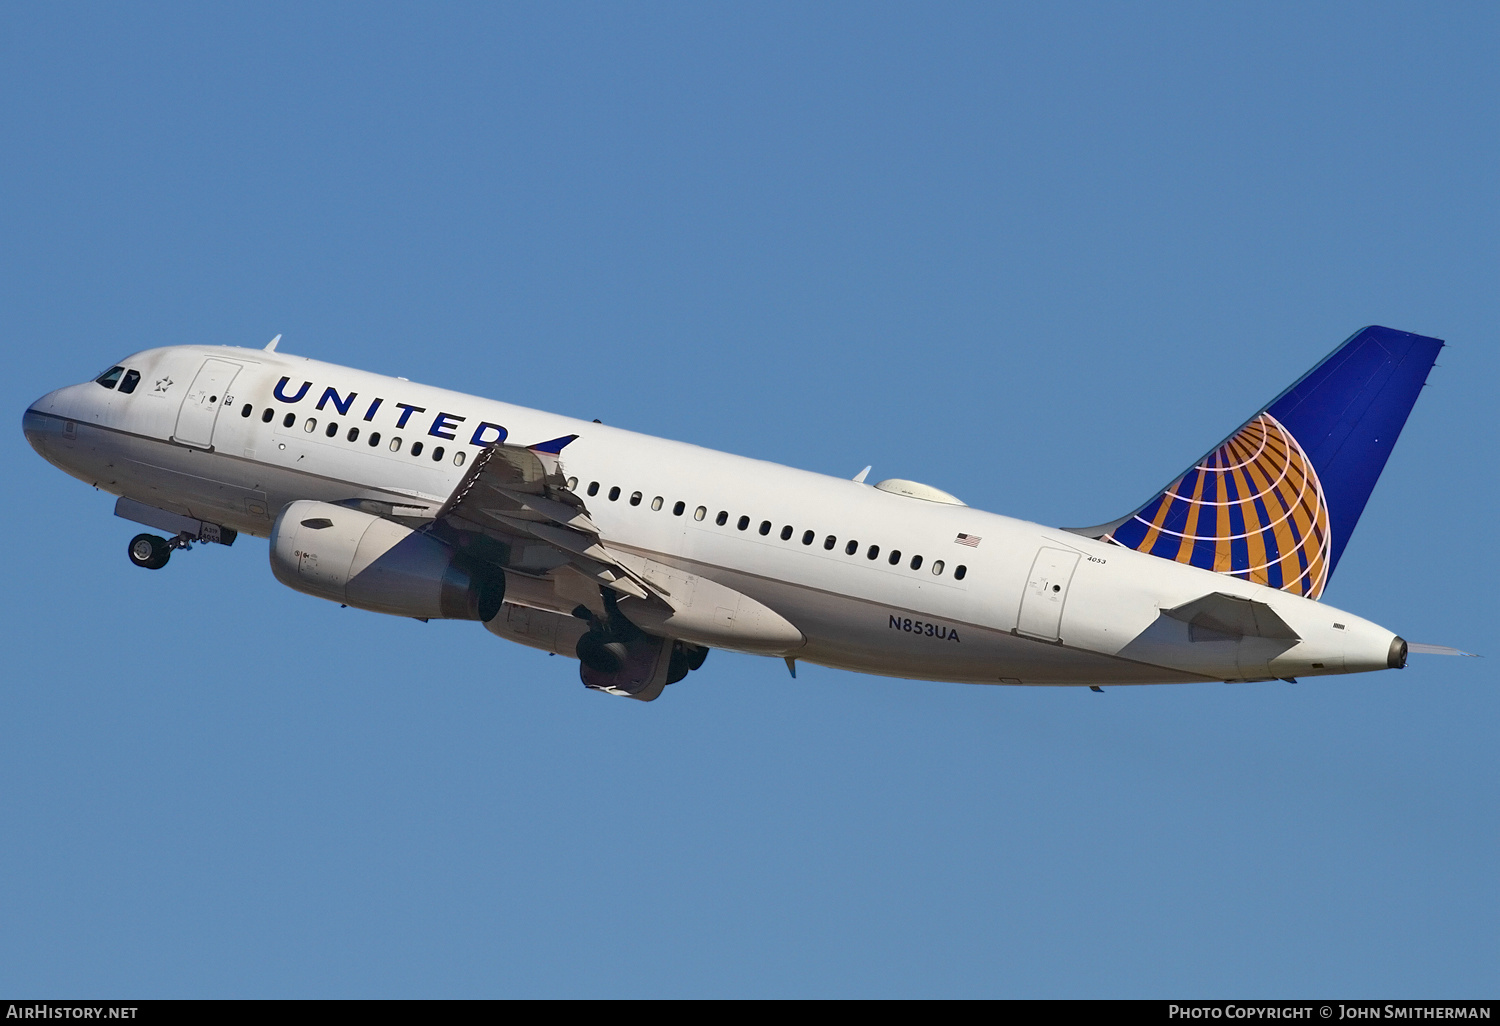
x,y
830,542
331,430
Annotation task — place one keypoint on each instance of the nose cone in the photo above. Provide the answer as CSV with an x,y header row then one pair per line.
x,y
39,415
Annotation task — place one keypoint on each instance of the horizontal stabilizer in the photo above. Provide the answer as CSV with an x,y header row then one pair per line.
x,y
1221,617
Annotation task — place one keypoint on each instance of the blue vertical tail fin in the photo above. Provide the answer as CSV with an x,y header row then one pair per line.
x,y
1276,501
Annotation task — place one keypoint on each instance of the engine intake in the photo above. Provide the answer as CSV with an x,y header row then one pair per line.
x,y
366,561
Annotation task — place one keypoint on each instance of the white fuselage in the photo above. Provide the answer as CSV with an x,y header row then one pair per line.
x,y
1034,604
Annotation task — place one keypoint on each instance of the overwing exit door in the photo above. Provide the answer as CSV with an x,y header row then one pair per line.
x,y
1046,592
201,405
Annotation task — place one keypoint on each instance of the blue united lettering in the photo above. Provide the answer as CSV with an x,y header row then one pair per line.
x,y
342,405
280,391
495,431
406,412
444,425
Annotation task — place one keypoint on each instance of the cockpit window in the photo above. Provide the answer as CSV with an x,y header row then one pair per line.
x,y
132,378
111,377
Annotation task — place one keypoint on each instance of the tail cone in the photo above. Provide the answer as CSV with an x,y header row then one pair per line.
x,y
1396,660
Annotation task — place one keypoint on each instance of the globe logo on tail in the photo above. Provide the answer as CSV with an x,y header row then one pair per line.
x,y
1254,509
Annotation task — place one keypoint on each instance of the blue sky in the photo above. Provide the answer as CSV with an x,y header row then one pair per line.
x,y
1041,257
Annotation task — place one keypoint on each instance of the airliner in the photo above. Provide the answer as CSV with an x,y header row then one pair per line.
x,y
636,555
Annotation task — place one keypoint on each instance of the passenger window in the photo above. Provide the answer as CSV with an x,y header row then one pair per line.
x,y
133,378
807,537
851,548
873,553
937,567
765,527
830,542
111,377
916,562
333,428
437,454
247,410
744,523
656,503
895,557
786,532
700,512
677,508
460,456
416,448
959,572
289,420
572,481
614,493
311,425
635,498
396,444
722,518
593,487
374,439
265,418
354,434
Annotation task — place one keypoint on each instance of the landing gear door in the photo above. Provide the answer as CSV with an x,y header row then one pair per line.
x,y
1046,592
201,405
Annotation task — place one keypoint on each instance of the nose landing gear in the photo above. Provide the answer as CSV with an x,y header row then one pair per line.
x,y
152,551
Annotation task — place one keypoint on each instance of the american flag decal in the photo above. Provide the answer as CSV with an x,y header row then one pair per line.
x,y
971,540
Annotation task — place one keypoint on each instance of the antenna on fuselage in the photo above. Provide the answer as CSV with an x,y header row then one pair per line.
x,y
271,345
860,477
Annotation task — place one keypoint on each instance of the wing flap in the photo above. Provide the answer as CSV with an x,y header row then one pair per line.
x,y
512,492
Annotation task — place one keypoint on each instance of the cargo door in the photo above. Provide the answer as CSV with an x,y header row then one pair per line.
x,y
201,406
1046,593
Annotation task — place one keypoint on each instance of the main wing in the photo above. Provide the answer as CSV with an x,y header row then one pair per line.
x,y
517,497
514,510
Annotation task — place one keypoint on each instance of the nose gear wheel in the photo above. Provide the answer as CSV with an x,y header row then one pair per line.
x,y
149,551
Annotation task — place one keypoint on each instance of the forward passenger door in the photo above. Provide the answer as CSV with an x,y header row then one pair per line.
x,y
202,403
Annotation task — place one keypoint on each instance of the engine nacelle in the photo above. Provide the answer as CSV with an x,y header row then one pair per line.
x,y
563,634
366,561
557,633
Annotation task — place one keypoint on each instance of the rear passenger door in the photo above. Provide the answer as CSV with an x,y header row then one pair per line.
x,y
1046,593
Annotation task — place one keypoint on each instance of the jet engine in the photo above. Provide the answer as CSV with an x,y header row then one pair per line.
x,y
366,561
552,632
615,655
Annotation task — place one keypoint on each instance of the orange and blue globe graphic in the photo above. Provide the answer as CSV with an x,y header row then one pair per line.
x,y
1253,509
